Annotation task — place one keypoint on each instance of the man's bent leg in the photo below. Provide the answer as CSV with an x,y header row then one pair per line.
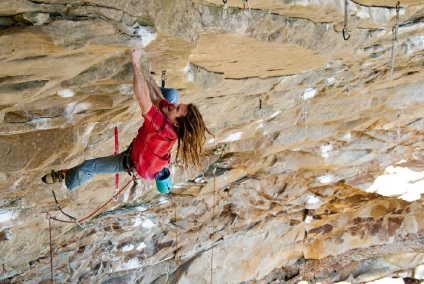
x,y
79,175
171,95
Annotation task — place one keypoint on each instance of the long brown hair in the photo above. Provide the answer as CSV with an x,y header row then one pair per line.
x,y
191,136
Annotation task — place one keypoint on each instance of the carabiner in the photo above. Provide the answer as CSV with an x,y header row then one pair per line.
x,y
346,34
81,225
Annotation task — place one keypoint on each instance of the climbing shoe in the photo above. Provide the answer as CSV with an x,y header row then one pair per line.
x,y
53,177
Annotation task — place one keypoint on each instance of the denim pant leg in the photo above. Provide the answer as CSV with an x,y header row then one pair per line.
x,y
79,175
171,95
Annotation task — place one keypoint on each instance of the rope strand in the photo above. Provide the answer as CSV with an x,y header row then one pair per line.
x,y
50,218
213,221
51,247
176,238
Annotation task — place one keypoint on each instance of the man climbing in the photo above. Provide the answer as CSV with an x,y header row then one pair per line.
x,y
150,152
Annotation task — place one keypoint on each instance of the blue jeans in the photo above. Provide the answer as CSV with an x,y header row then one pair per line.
x,y
79,175
171,95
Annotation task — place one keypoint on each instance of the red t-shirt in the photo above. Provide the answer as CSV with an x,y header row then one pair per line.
x,y
151,149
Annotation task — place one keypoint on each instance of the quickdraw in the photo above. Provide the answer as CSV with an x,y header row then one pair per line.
x,y
163,78
394,39
397,20
346,35
392,60
246,6
225,15
260,101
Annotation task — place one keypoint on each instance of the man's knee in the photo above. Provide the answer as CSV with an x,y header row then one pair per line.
x,y
171,95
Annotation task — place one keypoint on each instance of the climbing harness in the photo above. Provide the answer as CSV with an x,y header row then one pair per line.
x,y
116,153
346,35
163,78
225,14
394,39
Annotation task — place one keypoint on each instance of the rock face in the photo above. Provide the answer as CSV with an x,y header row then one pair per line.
x,y
314,172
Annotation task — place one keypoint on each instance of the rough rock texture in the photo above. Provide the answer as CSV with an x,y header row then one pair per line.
x,y
308,129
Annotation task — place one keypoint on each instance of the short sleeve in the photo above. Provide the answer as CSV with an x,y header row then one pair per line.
x,y
154,120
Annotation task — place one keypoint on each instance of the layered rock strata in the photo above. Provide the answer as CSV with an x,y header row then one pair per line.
x,y
307,129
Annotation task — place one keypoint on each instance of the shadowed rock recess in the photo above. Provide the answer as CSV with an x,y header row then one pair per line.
x,y
317,148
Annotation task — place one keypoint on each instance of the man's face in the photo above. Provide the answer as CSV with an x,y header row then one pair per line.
x,y
175,110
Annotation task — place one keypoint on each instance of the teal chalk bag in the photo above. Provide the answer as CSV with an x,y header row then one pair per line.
x,y
163,181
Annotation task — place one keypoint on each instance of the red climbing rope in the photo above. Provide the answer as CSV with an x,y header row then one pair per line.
x,y
107,202
49,217
51,247
98,209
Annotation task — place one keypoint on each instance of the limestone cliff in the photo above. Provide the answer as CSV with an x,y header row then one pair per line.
x,y
314,171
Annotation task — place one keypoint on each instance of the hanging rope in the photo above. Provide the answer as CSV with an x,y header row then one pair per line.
x,y
107,202
74,220
51,247
116,153
346,35
176,237
213,221
80,222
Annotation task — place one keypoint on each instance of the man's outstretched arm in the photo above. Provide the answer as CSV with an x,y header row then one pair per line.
x,y
155,92
140,85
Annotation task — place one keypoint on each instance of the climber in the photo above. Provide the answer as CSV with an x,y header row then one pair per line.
x,y
150,152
